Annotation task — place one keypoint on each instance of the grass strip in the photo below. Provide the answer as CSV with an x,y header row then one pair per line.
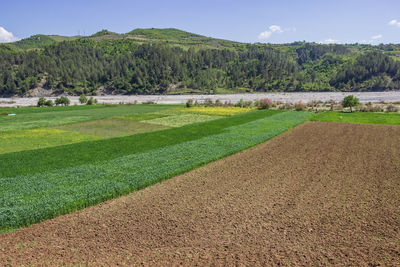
x,y
358,117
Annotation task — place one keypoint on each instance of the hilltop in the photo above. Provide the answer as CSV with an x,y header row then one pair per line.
x,y
170,35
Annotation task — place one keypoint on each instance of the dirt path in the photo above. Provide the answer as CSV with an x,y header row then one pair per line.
x,y
320,194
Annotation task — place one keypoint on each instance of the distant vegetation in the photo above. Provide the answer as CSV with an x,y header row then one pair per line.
x,y
171,61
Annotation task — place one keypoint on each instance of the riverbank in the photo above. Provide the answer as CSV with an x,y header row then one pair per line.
x,y
393,96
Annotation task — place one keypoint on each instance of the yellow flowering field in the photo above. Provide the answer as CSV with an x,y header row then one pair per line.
x,y
216,111
19,140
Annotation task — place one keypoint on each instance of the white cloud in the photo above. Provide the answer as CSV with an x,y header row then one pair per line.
x,y
6,36
330,41
264,35
275,28
394,22
375,37
272,29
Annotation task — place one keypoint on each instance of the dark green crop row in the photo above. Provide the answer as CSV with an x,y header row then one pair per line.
x,y
118,166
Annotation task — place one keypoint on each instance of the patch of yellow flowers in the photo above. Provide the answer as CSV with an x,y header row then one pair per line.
x,y
218,111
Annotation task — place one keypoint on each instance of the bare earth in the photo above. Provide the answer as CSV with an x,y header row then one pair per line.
x,y
393,96
320,194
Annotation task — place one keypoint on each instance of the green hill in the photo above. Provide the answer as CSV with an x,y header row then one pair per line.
x,y
164,34
172,61
40,40
172,36
103,33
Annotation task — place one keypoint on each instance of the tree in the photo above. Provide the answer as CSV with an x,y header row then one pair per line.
x,y
350,101
83,99
63,100
91,101
49,103
41,102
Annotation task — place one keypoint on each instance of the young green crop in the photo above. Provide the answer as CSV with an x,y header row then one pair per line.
x,y
39,195
358,117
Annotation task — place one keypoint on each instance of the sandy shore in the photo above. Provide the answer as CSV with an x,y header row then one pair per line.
x,y
393,96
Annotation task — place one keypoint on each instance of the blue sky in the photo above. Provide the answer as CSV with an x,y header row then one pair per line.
x,y
279,21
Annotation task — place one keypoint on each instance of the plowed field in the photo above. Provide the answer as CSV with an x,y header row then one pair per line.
x,y
319,194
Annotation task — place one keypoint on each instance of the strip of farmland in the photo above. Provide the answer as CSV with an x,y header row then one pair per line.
x,y
320,194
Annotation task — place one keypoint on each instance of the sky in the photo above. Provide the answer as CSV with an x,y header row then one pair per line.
x,y
250,21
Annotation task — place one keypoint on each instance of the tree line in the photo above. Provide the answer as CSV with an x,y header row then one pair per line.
x,y
86,66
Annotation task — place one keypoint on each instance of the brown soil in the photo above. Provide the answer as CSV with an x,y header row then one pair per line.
x,y
320,194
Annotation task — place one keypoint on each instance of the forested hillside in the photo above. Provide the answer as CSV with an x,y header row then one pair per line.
x,y
166,61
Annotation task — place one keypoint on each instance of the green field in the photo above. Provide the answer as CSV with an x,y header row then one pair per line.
x,y
27,139
42,117
107,128
358,117
182,119
38,184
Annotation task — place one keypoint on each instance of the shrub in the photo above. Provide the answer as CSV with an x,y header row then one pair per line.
x,y
228,104
63,100
392,108
208,102
299,106
41,102
240,103
91,101
49,103
265,103
189,103
369,107
218,103
83,99
289,106
376,109
248,104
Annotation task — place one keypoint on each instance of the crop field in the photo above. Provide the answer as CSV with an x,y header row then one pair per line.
x,y
320,194
43,117
358,117
19,140
182,119
108,128
120,150
217,111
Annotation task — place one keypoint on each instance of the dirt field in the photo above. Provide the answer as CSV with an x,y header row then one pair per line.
x,y
320,194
